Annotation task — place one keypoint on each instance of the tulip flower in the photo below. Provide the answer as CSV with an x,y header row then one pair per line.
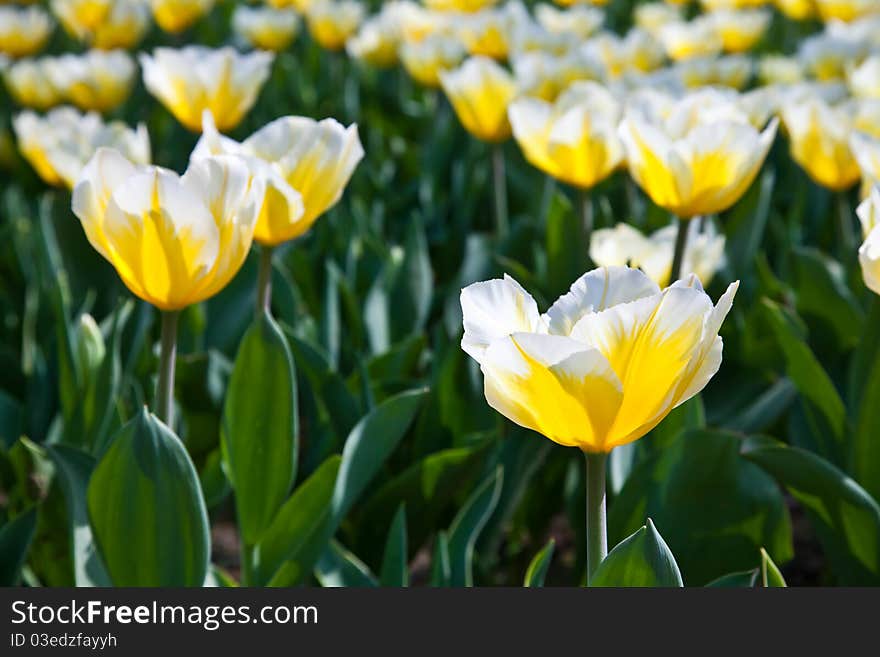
x,y
94,81
173,240
579,21
81,17
869,252
797,10
425,60
175,16
651,17
827,57
60,144
194,78
698,160
601,368
480,92
637,52
697,38
740,30
866,150
29,85
264,27
653,254
23,31
467,6
733,71
487,33
122,23
780,69
573,140
846,10
306,165
864,79
377,41
545,76
819,136
332,22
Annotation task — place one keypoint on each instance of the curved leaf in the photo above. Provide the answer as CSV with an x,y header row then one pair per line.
x,y
537,570
146,509
468,524
642,559
395,571
15,539
259,431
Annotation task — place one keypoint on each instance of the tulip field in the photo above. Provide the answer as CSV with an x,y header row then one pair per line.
x,y
451,293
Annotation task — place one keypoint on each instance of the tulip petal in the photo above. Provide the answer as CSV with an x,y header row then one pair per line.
x,y
595,291
496,309
553,385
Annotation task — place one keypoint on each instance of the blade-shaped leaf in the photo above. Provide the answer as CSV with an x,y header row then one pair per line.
x,y
642,559
395,571
339,567
146,509
259,431
15,539
468,524
539,565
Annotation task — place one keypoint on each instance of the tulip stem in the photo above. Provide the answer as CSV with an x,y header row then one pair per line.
x,y
500,181
845,215
167,358
680,245
586,211
597,532
264,281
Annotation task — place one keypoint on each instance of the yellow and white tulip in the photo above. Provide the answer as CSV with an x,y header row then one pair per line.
x,y
574,140
175,16
332,22
264,27
306,165
869,252
193,79
740,30
23,31
97,80
29,84
425,60
60,144
480,91
173,240
605,364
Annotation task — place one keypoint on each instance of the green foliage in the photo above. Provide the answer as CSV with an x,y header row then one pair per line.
x,y
642,559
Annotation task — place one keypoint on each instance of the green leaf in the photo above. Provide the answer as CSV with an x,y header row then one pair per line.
x,y
825,407
395,570
845,517
430,485
339,567
298,521
865,445
73,471
741,580
15,539
822,292
770,575
746,222
642,559
146,509
716,508
441,569
537,569
367,448
467,525
259,431
567,248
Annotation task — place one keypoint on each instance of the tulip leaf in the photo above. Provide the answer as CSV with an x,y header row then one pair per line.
x,y
845,517
441,569
15,539
537,570
716,508
299,520
865,445
642,559
741,580
395,570
746,222
429,485
822,292
73,471
826,414
370,443
567,247
339,567
146,509
467,525
770,576
259,430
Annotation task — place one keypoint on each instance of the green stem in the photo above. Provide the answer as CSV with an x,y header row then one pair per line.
x,y
500,184
680,245
585,207
246,573
167,358
264,281
848,241
597,532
